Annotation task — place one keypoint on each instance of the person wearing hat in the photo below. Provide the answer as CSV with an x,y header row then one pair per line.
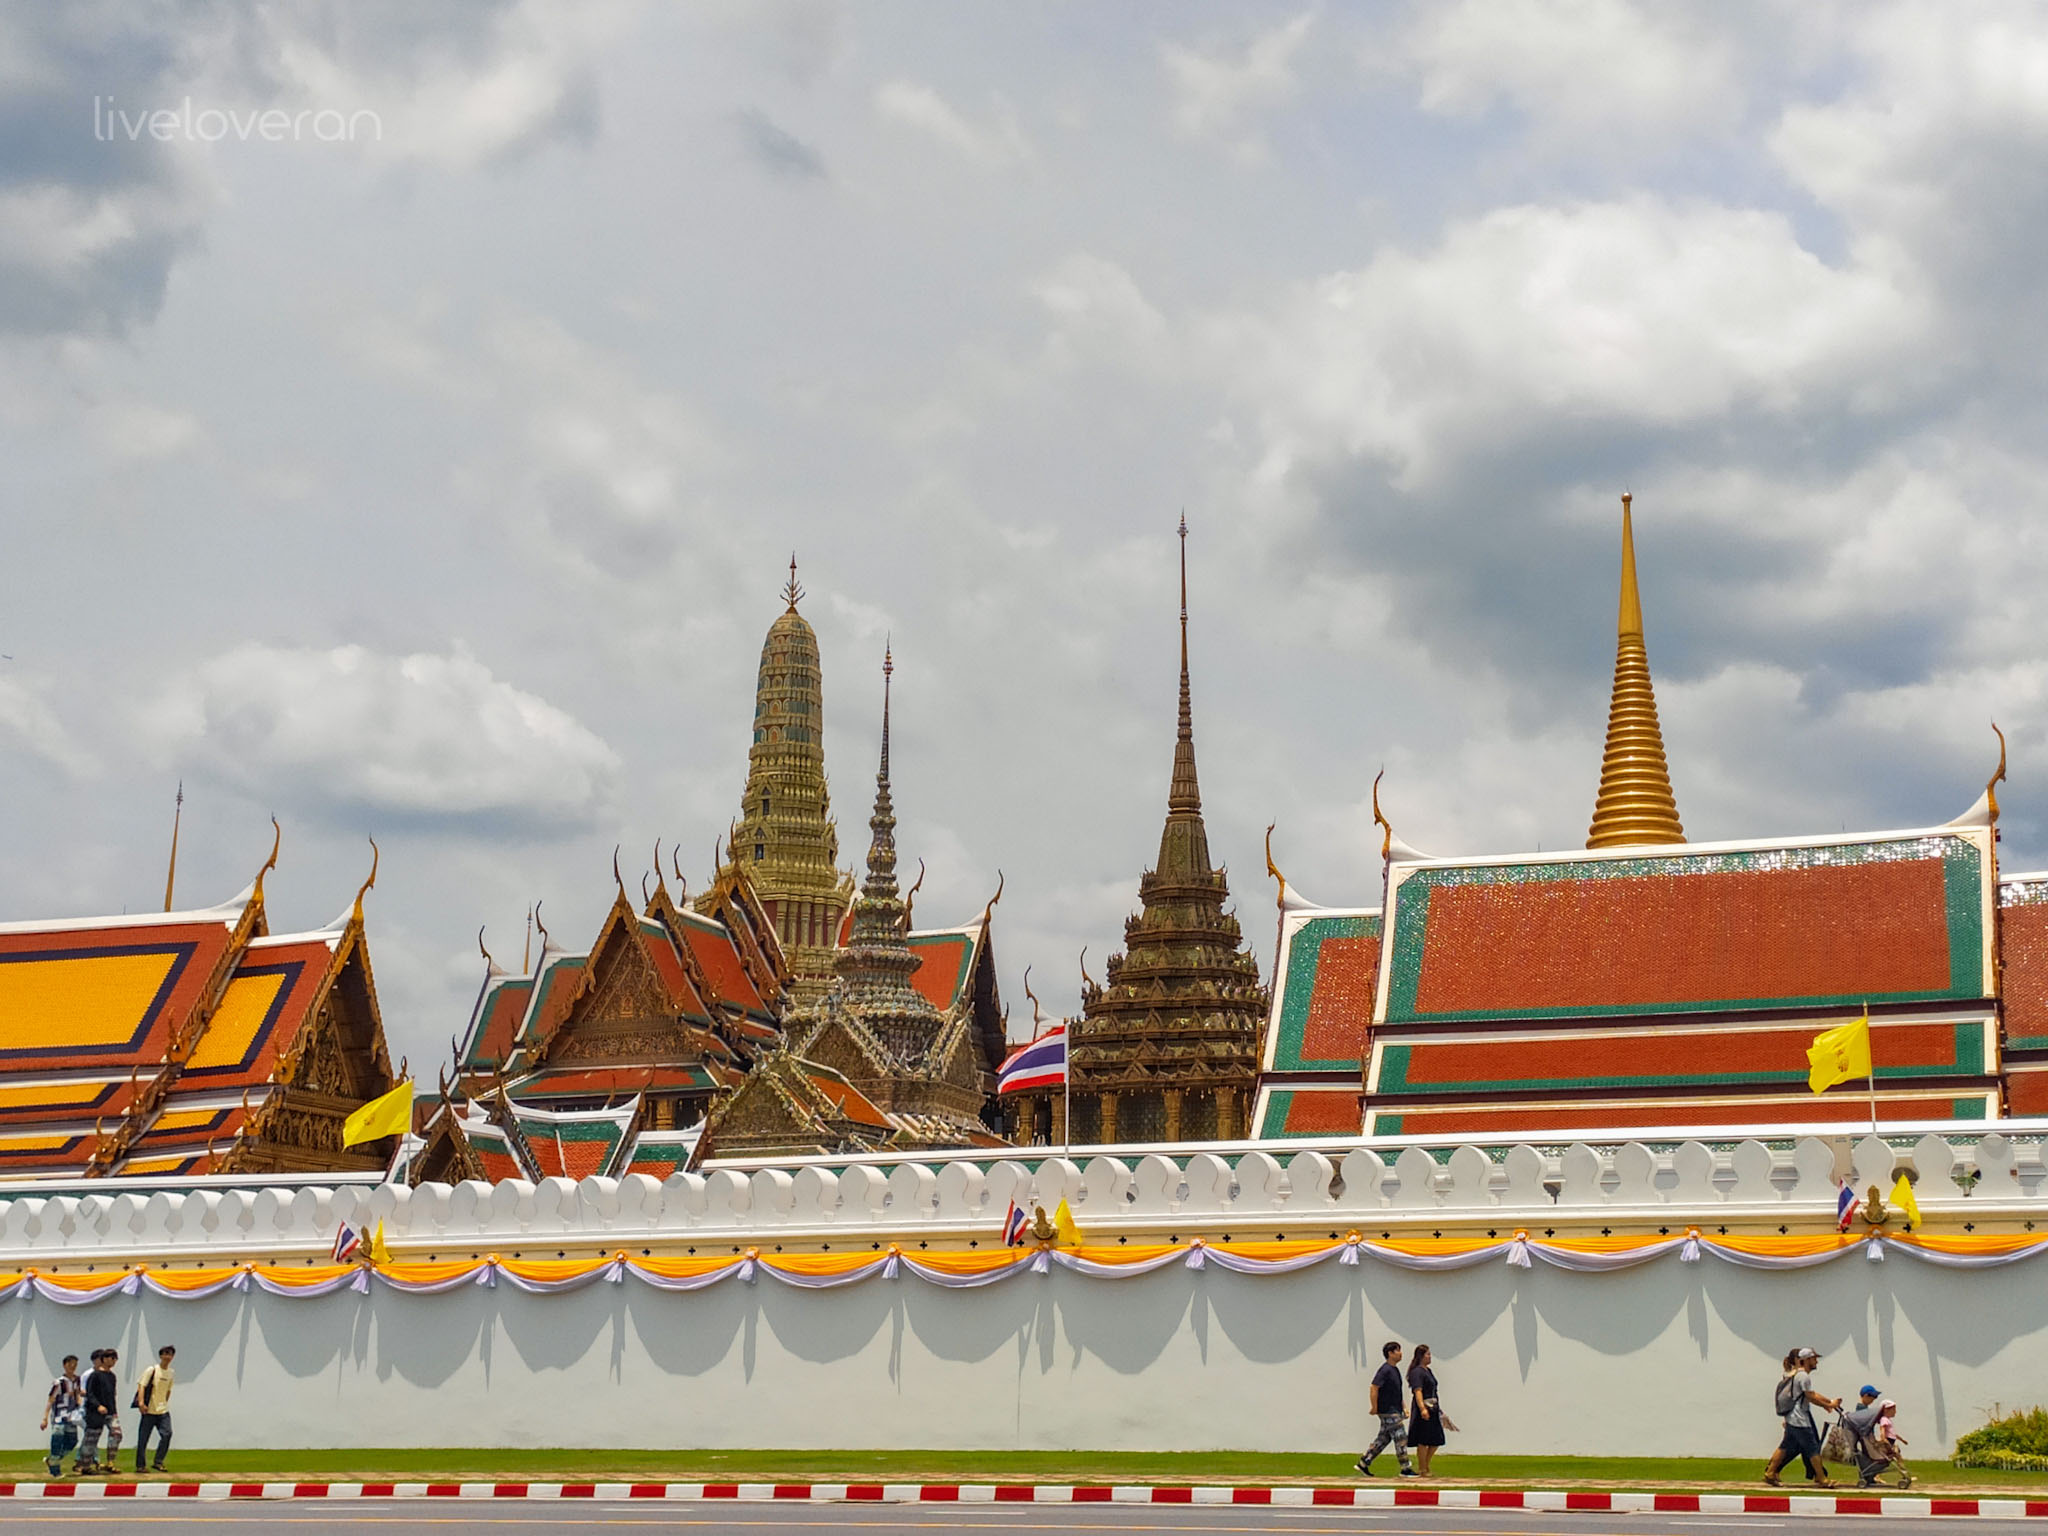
x,y
1795,1401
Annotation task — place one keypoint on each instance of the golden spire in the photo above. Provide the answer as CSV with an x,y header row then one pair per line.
x,y
1185,792
1635,803
177,815
793,593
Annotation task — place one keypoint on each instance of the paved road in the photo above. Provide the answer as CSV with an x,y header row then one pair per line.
x,y
372,1518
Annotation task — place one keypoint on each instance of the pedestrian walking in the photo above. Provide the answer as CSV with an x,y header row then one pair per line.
x,y
1794,1400
102,1413
1426,1422
153,1398
1386,1403
63,1411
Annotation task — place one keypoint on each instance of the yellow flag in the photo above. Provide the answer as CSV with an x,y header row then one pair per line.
x,y
380,1251
1902,1198
390,1115
1839,1055
1063,1222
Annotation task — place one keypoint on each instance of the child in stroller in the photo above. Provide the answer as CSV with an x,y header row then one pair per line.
x,y
1875,1441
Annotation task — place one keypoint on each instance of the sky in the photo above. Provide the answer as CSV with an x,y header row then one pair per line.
x,y
414,446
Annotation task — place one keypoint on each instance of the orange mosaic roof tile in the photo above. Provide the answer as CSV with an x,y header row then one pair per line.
x,y
262,1011
943,965
719,960
103,994
2023,923
1662,1058
1884,920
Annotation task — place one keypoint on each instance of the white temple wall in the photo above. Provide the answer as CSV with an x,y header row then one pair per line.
x,y
1668,1358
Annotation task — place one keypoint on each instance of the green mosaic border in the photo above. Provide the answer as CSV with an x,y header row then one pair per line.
x,y
1392,1077
1390,1125
1304,958
1962,884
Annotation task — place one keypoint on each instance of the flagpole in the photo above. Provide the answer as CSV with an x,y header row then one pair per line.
x,y
1872,1078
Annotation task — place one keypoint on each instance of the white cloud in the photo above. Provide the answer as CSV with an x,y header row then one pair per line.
x,y
1219,91
351,733
1573,68
1644,312
26,716
994,144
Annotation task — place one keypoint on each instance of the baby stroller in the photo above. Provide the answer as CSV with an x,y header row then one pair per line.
x,y
1858,1436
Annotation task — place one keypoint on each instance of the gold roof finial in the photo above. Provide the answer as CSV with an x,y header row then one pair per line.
x,y
276,842
177,816
794,592
1635,804
1379,820
1990,784
356,913
1274,869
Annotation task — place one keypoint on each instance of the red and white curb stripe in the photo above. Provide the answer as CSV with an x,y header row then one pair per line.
x,y
1370,1497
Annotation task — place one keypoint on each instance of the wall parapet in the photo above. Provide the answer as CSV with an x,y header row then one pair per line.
x,y
1988,1178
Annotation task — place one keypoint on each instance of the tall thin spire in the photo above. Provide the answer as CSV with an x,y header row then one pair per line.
x,y
177,816
881,881
793,593
1185,793
1635,804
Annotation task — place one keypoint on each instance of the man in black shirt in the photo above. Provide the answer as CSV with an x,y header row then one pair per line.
x,y
102,1413
1386,1402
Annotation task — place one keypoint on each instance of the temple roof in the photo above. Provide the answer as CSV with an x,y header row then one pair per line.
x,y
1839,921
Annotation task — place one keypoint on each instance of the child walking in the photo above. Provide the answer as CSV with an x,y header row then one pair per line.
x,y
63,1412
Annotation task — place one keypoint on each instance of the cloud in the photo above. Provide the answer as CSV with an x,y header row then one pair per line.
x,y
998,143
92,219
26,717
351,734
1576,70
1218,91
775,149
1646,313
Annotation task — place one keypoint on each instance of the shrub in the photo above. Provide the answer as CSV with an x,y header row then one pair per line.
x,y
2015,1442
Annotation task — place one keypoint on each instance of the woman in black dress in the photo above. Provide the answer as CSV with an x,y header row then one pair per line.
x,y
1425,1418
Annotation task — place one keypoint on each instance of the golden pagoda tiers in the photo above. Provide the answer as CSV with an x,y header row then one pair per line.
x,y
873,1062
1167,1047
785,838
1635,804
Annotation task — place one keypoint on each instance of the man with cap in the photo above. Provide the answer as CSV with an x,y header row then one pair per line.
x,y
1796,1400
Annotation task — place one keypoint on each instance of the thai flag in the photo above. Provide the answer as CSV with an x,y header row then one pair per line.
x,y
1041,1064
1015,1227
348,1242
1845,1209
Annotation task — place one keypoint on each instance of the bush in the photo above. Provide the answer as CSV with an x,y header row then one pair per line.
x,y
2014,1442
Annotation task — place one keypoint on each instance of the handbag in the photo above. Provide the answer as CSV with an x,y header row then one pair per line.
x,y
1840,1445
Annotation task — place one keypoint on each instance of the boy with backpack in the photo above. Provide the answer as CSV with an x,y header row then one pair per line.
x,y
153,1397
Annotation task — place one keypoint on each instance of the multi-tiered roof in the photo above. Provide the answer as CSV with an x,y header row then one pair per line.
x,y
785,838
187,1042
1167,1047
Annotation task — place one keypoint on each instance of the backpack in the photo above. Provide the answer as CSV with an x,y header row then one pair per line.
x,y
1785,1397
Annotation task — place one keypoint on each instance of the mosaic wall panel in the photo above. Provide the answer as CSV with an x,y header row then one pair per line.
x,y
1892,921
